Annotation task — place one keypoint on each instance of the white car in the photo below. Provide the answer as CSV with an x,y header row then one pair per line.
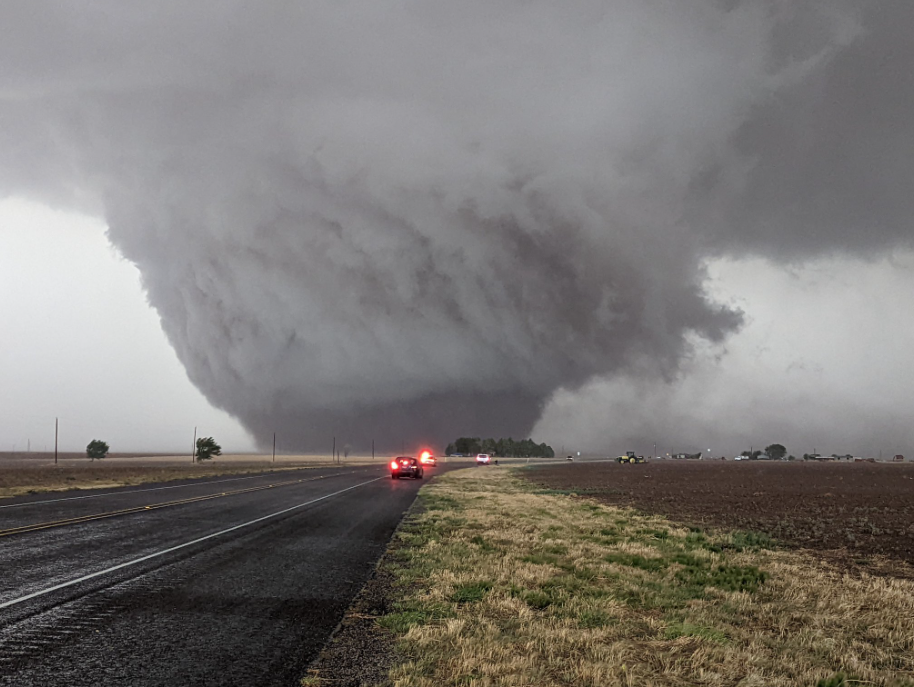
x,y
483,459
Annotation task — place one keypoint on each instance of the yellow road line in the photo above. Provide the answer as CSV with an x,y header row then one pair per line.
x,y
153,506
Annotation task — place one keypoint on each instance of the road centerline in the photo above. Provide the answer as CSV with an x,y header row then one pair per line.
x,y
78,520
141,559
127,490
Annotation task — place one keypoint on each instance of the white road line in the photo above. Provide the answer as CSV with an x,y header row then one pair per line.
x,y
135,491
127,564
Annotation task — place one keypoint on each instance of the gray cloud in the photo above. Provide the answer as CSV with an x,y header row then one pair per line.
x,y
413,220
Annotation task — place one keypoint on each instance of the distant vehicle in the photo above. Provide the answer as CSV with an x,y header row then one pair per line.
x,y
483,459
899,458
426,458
631,458
405,466
741,458
570,458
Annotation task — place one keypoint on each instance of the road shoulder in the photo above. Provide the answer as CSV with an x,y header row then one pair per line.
x,y
498,580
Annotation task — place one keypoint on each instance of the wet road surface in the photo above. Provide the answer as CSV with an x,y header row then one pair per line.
x,y
218,582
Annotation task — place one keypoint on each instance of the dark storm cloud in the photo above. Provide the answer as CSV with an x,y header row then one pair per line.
x,y
398,219
830,157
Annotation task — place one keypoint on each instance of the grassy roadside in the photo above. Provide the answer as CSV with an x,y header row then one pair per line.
x,y
499,583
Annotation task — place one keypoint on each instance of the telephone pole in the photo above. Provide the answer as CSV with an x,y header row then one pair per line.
x,y
55,441
193,448
274,447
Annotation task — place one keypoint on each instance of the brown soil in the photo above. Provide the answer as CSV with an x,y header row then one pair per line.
x,y
854,514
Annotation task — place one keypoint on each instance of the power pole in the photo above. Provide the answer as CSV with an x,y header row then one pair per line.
x,y
372,449
55,441
333,453
274,447
193,448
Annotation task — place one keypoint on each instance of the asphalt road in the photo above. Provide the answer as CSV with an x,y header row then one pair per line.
x,y
222,582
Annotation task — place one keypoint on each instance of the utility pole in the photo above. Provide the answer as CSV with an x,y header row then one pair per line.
x,y
55,441
372,449
193,448
333,452
274,447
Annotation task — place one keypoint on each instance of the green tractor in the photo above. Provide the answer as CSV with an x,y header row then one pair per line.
x,y
631,458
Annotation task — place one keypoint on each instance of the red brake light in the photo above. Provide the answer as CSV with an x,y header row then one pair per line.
x,y
394,465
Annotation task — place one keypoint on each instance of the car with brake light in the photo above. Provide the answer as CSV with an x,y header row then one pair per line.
x,y
483,459
405,466
427,459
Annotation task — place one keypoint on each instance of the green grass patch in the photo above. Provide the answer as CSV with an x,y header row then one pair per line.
x,y
484,545
470,593
537,599
752,541
401,622
433,502
730,578
676,630
634,560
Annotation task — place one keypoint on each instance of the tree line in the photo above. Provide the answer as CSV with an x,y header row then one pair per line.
x,y
505,448
773,451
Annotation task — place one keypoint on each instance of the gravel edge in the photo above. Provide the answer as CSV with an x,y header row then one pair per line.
x,y
359,652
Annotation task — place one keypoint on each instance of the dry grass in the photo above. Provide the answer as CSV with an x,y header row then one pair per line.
x,y
31,477
506,586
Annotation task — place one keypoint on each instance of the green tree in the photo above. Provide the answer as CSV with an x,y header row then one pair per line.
x,y
468,446
776,451
96,449
207,448
504,448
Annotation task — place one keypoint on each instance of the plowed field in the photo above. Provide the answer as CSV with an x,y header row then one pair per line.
x,y
857,515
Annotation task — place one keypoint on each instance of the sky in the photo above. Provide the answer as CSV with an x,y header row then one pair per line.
x,y
83,346
609,223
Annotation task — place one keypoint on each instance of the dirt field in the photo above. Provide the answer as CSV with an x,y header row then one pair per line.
x,y
27,473
857,515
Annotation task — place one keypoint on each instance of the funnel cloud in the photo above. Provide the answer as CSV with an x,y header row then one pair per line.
x,y
395,220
